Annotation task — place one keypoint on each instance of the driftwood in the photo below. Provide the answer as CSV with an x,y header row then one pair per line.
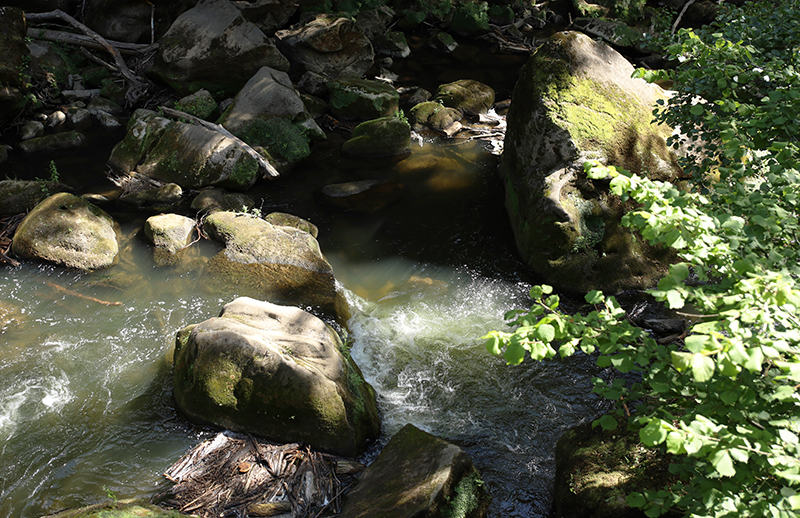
x,y
267,169
239,475
81,296
137,86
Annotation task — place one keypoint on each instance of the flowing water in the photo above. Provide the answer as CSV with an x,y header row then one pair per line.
x,y
86,409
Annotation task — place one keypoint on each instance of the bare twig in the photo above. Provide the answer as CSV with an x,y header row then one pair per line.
x,y
79,295
680,15
266,167
137,85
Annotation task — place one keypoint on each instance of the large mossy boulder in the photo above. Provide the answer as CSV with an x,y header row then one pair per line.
x,y
418,474
270,113
331,45
185,154
597,469
13,66
386,136
575,100
278,262
68,231
362,99
433,115
277,372
213,47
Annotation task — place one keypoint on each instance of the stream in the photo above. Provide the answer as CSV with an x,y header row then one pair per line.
x,y
86,410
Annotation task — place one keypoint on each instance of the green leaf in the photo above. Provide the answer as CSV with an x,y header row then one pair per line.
x,y
514,354
653,433
702,367
681,361
594,297
697,109
545,333
607,422
636,499
493,345
723,463
675,299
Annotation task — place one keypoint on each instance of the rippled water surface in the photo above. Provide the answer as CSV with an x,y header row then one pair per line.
x,y
86,407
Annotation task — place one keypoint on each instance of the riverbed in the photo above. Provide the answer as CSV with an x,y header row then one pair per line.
x,y
86,409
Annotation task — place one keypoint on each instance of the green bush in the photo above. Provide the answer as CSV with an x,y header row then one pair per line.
x,y
725,398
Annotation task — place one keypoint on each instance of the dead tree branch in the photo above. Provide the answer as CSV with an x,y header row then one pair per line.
x,y
137,86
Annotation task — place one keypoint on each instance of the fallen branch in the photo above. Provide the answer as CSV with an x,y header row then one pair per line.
x,y
683,11
80,40
137,85
81,296
266,167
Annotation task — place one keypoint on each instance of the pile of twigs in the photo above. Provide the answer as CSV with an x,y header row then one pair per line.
x,y
241,476
8,225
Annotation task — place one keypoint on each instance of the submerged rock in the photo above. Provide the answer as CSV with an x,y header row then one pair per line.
x,y
68,231
330,45
277,372
214,200
575,100
53,142
380,137
418,474
119,509
362,197
209,38
278,262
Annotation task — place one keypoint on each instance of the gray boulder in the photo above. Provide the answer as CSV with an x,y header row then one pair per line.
x,y
185,154
211,38
270,113
330,45
277,372
169,234
214,200
278,262
130,20
575,100
418,474
362,99
53,142
68,231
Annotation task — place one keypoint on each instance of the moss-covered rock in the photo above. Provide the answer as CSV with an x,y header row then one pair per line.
x,y
466,95
386,136
276,262
214,200
277,372
433,115
574,101
185,154
68,231
200,104
418,474
362,99
53,142
597,469
471,18
19,196
119,509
